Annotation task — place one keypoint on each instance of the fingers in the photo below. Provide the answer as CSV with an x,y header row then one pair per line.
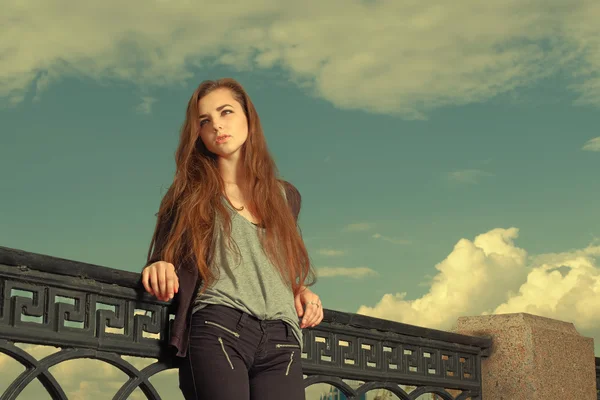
x,y
310,316
318,315
299,306
160,280
154,282
145,281
313,314
321,315
170,285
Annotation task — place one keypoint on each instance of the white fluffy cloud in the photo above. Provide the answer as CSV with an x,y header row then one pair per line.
x,y
504,279
484,269
388,57
564,286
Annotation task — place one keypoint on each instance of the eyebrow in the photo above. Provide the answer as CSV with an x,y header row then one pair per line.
x,y
218,109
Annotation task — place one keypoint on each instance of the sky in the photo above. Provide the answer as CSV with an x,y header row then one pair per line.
x,y
447,153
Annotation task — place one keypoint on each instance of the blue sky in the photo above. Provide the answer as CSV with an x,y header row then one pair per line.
x,y
84,173
407,129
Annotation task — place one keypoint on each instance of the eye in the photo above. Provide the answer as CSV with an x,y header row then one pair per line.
x,y
226,111
202,122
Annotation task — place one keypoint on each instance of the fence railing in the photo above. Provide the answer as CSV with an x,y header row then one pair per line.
x,y
95,312
598,378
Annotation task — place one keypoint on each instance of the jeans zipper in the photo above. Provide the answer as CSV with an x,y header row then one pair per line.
x,y
279,346
227,355
290,364
237,335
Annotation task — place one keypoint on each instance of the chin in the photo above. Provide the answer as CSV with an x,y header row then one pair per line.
x,y
226,151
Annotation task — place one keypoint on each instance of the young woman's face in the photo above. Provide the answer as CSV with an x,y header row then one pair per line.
x,y
223,124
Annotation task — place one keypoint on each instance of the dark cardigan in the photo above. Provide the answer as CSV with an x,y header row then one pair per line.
x,y
189,281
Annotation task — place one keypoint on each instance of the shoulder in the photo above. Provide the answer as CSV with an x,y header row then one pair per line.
x,y
290,190
293,197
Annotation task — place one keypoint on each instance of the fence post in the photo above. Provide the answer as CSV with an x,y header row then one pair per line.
x,y
533,358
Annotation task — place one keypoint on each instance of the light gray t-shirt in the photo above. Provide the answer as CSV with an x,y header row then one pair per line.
x,y
247,280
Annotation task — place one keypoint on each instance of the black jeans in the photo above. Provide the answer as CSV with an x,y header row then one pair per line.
x,y
233,355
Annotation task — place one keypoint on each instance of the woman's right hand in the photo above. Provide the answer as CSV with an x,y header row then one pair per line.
x,y
160,280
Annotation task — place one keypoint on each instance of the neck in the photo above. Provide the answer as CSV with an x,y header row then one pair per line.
x,y
231,169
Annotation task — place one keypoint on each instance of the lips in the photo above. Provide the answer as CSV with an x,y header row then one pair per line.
x,y
222,138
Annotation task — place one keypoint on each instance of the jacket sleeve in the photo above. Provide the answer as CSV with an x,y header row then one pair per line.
x,y
293,198
163,229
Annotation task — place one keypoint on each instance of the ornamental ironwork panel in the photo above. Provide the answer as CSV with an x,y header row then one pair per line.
x,y
38,307
100,313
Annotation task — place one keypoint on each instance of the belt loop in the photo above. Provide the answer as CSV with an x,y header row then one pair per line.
x,y
242,321
288,330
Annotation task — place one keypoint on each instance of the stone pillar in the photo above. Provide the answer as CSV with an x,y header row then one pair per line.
x,y
533,358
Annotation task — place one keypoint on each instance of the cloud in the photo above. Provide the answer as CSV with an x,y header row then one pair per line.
x,y
471,176
503,279
483,269
358,227
356,273
391,239
565,286
331,252
592,144
404,58
145,107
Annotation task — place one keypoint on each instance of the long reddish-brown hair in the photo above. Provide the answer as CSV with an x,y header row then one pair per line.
x,y
188,210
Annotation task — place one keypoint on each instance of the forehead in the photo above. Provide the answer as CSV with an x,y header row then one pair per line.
x,y
215,99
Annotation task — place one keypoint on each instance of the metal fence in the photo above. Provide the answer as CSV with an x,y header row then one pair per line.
x,y
598,378
95,312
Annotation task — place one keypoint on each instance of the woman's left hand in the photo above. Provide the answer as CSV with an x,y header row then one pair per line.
x,y
309,307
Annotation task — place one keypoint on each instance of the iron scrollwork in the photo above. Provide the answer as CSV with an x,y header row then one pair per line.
x,y
96,312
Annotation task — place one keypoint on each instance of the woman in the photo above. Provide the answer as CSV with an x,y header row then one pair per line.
x,y
227,249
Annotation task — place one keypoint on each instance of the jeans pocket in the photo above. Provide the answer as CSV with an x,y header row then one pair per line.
x,y
286,346
225,352
221,327
287,371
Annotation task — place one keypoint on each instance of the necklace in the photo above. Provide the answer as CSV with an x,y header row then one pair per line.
x,y
230,203
232,206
